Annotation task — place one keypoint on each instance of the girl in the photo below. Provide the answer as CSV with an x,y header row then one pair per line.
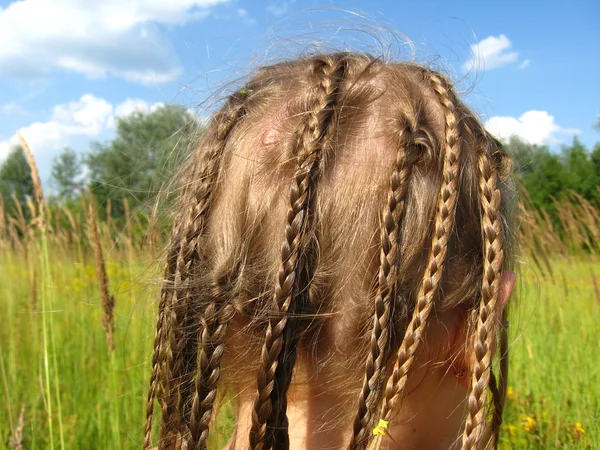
x,y
339,265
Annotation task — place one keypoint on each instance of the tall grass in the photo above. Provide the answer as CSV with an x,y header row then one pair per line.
x,y
97,390
74,393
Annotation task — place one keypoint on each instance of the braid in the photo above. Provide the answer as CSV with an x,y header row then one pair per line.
x,y
211,350
498,386
437,255
389,259
162,331
233,111
158,352
173,309
277,351
487,318
503,379
497,414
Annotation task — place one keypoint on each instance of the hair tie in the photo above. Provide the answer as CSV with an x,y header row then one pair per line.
x,y
381,428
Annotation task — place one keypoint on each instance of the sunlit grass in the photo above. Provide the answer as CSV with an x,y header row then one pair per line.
x,y
554,388
93,385
55,361
553,400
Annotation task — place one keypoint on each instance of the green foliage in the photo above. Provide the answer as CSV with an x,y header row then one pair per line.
x,y
549,176
66,168
15,178
527,157
583,174
142,158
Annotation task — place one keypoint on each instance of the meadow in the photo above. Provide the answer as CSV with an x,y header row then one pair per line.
x,y
62,387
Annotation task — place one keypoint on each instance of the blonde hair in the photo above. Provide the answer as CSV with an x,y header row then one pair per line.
x,y
392,202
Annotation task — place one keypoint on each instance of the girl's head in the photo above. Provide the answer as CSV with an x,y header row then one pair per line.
x,y
335,265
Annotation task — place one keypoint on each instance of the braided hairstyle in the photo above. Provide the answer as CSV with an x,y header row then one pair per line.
x,y
485,334
172,356
395,208
437,253
279,354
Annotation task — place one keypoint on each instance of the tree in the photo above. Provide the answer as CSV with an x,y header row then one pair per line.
x,y
65,170
582,175
15,178
143,156
548,181
527,157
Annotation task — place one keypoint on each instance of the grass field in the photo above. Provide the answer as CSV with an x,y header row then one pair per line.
x,y
97,400
61,387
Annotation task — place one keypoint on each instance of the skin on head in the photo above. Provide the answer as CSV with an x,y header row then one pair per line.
x,y
340,260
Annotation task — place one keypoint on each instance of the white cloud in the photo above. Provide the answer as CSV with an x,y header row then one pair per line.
x,y
12,109
5,147
280,8
491,53
93,37
245,17
88,117
524,64
130,106
534,127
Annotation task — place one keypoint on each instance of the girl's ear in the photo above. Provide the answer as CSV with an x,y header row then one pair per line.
x,y
507,284
460,358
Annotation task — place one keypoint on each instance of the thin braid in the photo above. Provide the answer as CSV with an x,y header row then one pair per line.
x,y
211,350
162,330
497,414
177,370
498,385
389,260
503,378
485,333
159,350
278,423
310,145
181,371
230,115
433,273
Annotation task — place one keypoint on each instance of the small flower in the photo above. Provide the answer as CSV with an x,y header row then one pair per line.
x,y
528,423
510,392
89,272
578,430
510,429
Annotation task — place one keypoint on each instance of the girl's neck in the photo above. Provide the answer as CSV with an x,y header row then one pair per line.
x,y
425,422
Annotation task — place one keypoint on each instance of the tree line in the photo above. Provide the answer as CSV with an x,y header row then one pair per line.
x,y
134,166
148,148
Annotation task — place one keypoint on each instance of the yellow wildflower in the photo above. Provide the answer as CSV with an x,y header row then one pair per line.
x,y
510,429
510,392
89,272
528,423
578,430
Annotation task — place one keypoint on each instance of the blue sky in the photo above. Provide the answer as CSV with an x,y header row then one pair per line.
x,y
69,68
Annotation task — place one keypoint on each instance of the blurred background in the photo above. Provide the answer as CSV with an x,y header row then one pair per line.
x,y
99,103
